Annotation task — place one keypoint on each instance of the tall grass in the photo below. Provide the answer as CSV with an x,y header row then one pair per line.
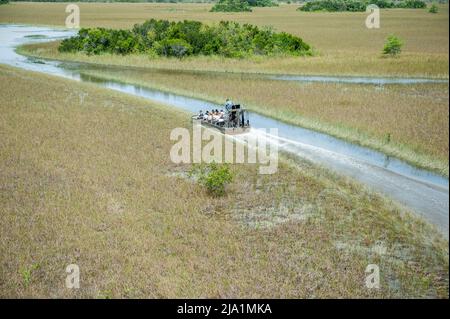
x,y
89,181
415,118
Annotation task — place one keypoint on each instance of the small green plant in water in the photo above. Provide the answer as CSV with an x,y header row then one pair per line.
x,y
213,176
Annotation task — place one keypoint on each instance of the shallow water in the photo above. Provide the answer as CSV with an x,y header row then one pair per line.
x,y
421,190
356,79
288,131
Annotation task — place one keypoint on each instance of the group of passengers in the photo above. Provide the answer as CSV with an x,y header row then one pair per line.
x,y
212,116
215,116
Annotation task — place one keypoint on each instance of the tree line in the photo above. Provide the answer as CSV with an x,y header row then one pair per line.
x,y
185,38
137,1
359,5
241,5
251,3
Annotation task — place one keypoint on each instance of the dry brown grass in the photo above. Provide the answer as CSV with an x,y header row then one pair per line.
x,y
345,45
89,181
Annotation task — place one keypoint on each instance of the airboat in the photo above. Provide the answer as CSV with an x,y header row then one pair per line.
x,y
233,121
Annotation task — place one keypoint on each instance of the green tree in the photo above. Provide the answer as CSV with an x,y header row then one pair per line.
x,y
262,3
412,4
4,1
213,176
393,46
231,6
173,47
358,5
433,9
183,38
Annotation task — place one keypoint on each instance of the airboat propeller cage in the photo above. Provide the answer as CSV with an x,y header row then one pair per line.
x,y
235,121
238,117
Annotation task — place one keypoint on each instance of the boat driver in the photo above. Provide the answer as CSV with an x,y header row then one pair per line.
x,y
228,105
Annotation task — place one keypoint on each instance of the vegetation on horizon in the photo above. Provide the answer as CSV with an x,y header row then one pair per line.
x,y
129,1
358,5
262,3
184,38
231,6
241,5
4,1
427,39
251,3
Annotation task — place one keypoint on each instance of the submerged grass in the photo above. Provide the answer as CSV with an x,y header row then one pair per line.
x,y
85,178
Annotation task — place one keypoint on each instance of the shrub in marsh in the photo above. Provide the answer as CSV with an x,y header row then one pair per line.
x,y
358,5
262,3
72,44
185,38
231,6
99,40
393,46
213,176
241,5
382,4
433,9
173,47
412,4
123,42
334,5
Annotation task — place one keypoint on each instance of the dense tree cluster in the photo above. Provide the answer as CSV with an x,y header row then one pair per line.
x,y
4,1
262,3
241,5
136,1
184,38
231,6
411,4
358,5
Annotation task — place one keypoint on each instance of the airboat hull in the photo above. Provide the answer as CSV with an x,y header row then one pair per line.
x,y
223,129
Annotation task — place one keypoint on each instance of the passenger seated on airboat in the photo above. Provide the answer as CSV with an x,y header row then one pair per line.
x,y
233,116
